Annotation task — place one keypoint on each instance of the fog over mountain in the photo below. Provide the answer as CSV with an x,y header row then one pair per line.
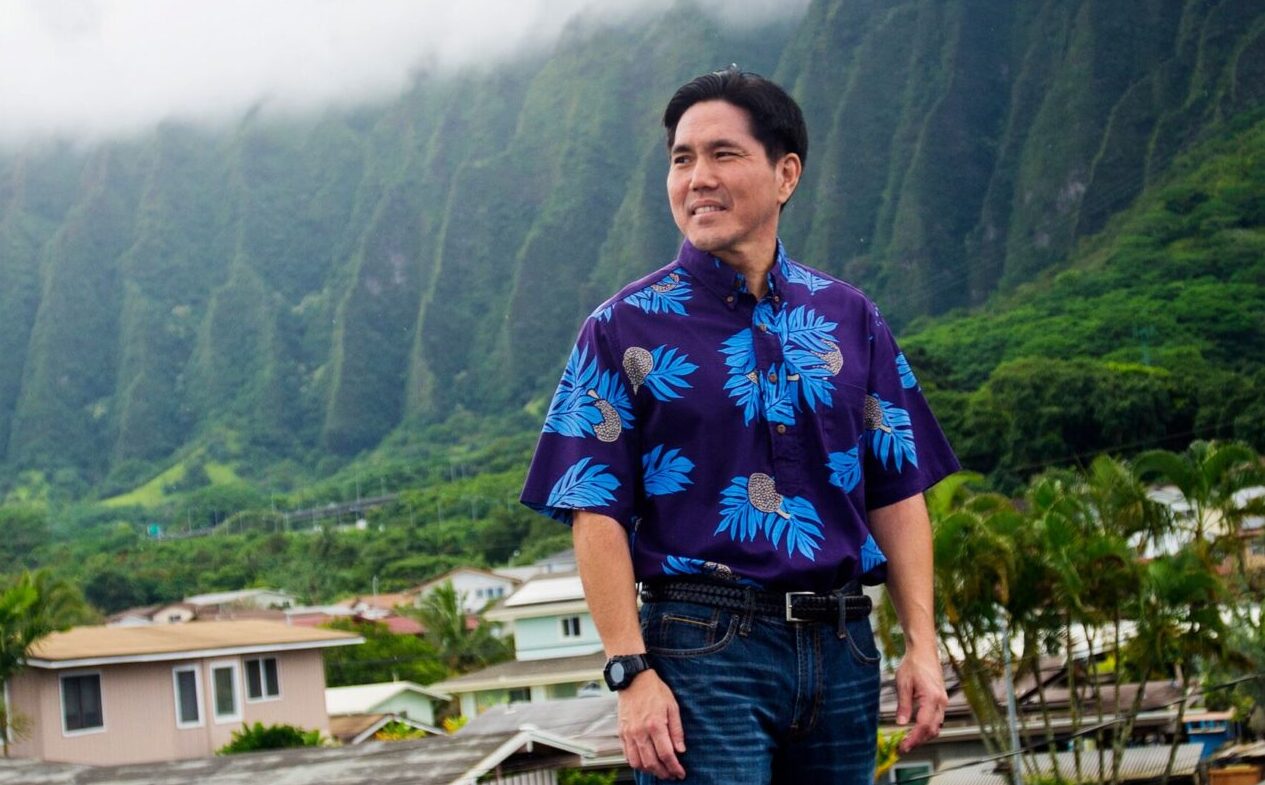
x,y
87,69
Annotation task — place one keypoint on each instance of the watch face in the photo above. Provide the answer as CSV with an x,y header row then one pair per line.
x,y
617,672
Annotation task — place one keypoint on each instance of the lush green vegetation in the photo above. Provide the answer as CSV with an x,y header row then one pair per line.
x,y
253,738
1152,594
273,300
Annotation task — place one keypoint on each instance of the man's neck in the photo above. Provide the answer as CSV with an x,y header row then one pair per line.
x,y
753,266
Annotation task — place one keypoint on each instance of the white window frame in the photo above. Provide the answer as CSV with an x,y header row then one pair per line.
x,y
567,624
197,695
235,667
263,682
61,702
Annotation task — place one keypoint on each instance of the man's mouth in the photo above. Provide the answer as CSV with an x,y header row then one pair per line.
x,y
707,208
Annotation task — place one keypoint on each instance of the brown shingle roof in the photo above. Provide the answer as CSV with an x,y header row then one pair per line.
x,y
170,641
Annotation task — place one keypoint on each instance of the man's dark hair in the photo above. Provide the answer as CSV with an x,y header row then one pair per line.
x,y
776,120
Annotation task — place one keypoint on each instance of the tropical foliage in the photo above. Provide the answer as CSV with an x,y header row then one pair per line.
x,y
31,607
256,737
1087,567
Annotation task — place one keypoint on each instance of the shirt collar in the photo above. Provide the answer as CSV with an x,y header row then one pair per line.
x,y
725,282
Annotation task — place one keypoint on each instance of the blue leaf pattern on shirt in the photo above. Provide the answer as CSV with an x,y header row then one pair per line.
x,y
907,378
891,434
779,396
583,488
669,295
742,385
800,275
793,518
803,328
665,472
845,469
871,555
810,353
603,313
668,370
576,409
687,565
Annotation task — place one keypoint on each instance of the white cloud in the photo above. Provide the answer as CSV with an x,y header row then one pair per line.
x,y
91,68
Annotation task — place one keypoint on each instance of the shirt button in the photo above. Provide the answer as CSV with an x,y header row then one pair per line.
x,y
764,328
781,428
772,377
729,299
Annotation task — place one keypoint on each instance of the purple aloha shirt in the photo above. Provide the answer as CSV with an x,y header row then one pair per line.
x,y
738,439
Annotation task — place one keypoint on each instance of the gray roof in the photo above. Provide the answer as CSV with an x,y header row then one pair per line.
x,y
435,760
1140,763
515,669
591,721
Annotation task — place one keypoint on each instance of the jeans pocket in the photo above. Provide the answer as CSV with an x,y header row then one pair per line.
x,y
687,630
861,642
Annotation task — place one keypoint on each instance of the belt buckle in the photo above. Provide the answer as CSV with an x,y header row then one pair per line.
x,y
790,614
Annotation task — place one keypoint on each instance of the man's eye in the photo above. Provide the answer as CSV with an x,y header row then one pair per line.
x,y
680,159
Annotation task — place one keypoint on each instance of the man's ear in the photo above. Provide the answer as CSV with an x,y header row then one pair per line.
x,y
789,169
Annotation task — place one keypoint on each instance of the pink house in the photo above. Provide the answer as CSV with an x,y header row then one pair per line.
x,y
115,695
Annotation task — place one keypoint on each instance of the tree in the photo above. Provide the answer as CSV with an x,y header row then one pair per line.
x,y
462,646
31,607
384,656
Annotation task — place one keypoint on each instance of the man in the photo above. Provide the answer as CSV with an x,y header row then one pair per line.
x,y
740,434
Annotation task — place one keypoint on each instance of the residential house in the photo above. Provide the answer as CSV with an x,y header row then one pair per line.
x,y
115,695
397,698
167,613
476,587
557,652
259,599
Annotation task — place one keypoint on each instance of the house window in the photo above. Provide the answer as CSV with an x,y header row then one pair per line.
x,y
187,685
81,702
261,679
224,692
520,695
571,627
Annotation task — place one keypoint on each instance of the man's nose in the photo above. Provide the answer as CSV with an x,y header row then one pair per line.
x,y
703,175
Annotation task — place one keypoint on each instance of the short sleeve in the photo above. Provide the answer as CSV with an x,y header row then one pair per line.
x,y
586,458
906,451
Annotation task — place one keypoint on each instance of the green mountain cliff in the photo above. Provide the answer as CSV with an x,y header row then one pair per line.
x,y
289,290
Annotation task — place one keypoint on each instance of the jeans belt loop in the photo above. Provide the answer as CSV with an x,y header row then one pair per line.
x,y
841,600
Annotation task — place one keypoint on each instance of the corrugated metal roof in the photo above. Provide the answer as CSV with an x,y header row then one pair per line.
x,y
1140,763
435,760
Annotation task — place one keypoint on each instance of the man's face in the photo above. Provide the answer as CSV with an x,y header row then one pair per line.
x,y
724,191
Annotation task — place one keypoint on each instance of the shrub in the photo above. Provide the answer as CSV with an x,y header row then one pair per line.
x,y
252,738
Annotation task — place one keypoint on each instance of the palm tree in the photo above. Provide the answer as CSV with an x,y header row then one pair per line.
x,y
462,646
1210,477
31,607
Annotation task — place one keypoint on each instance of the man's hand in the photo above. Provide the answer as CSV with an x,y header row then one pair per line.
x,y
919,680
650,727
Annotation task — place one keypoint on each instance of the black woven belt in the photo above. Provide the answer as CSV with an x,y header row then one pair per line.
x,y
846,604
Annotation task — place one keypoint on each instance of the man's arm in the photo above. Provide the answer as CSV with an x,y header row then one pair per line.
x,y
903,531
649,719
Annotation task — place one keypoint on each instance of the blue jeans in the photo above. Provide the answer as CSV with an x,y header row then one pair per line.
x,y
764,700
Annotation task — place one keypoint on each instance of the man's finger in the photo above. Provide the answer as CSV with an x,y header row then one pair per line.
x,y
675,729
650,758
663,746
